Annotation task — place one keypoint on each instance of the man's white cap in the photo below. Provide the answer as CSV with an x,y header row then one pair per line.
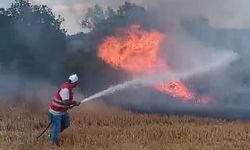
x,y
73,78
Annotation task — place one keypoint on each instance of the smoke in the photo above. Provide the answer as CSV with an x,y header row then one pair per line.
x,y
73,10
198,33
18,90
229,14
31,43
163,77
191,29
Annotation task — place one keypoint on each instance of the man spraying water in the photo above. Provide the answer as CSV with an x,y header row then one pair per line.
x,y
64,97
63,100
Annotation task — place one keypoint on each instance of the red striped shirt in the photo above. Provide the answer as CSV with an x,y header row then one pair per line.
x,y
58,105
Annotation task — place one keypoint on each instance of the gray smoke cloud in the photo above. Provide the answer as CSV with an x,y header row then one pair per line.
x,y
183,50
17,90
229,14
190,42
198,33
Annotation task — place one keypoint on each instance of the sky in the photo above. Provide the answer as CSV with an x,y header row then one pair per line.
x,y
221,13
5,3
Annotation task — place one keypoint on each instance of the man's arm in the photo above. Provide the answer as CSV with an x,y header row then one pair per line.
x,y
64,93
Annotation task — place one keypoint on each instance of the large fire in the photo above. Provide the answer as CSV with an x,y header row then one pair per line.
x,y
138,52
133,50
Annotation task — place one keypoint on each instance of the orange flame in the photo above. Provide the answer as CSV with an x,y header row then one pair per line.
x,y
176,89
137,52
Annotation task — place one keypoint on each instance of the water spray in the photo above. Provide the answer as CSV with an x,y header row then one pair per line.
x,y
163,77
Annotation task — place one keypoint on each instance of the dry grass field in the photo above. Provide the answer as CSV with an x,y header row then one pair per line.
x,y
98,127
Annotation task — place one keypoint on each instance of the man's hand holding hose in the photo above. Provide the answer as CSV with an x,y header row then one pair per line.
x,y
76,103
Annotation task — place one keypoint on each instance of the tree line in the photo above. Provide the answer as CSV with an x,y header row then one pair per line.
x,y
33,43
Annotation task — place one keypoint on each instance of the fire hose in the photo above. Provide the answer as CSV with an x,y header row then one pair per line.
x,y
50,125
44,130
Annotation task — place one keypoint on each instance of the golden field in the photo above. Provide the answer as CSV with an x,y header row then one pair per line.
x,y
95,126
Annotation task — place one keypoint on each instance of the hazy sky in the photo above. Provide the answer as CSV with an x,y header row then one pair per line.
x,y
221,13
5,3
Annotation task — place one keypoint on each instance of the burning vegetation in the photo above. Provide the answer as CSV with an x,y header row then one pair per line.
x,y
137,52
121,44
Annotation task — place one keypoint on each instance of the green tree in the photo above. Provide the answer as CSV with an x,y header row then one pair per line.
x,y
33,42
93,17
